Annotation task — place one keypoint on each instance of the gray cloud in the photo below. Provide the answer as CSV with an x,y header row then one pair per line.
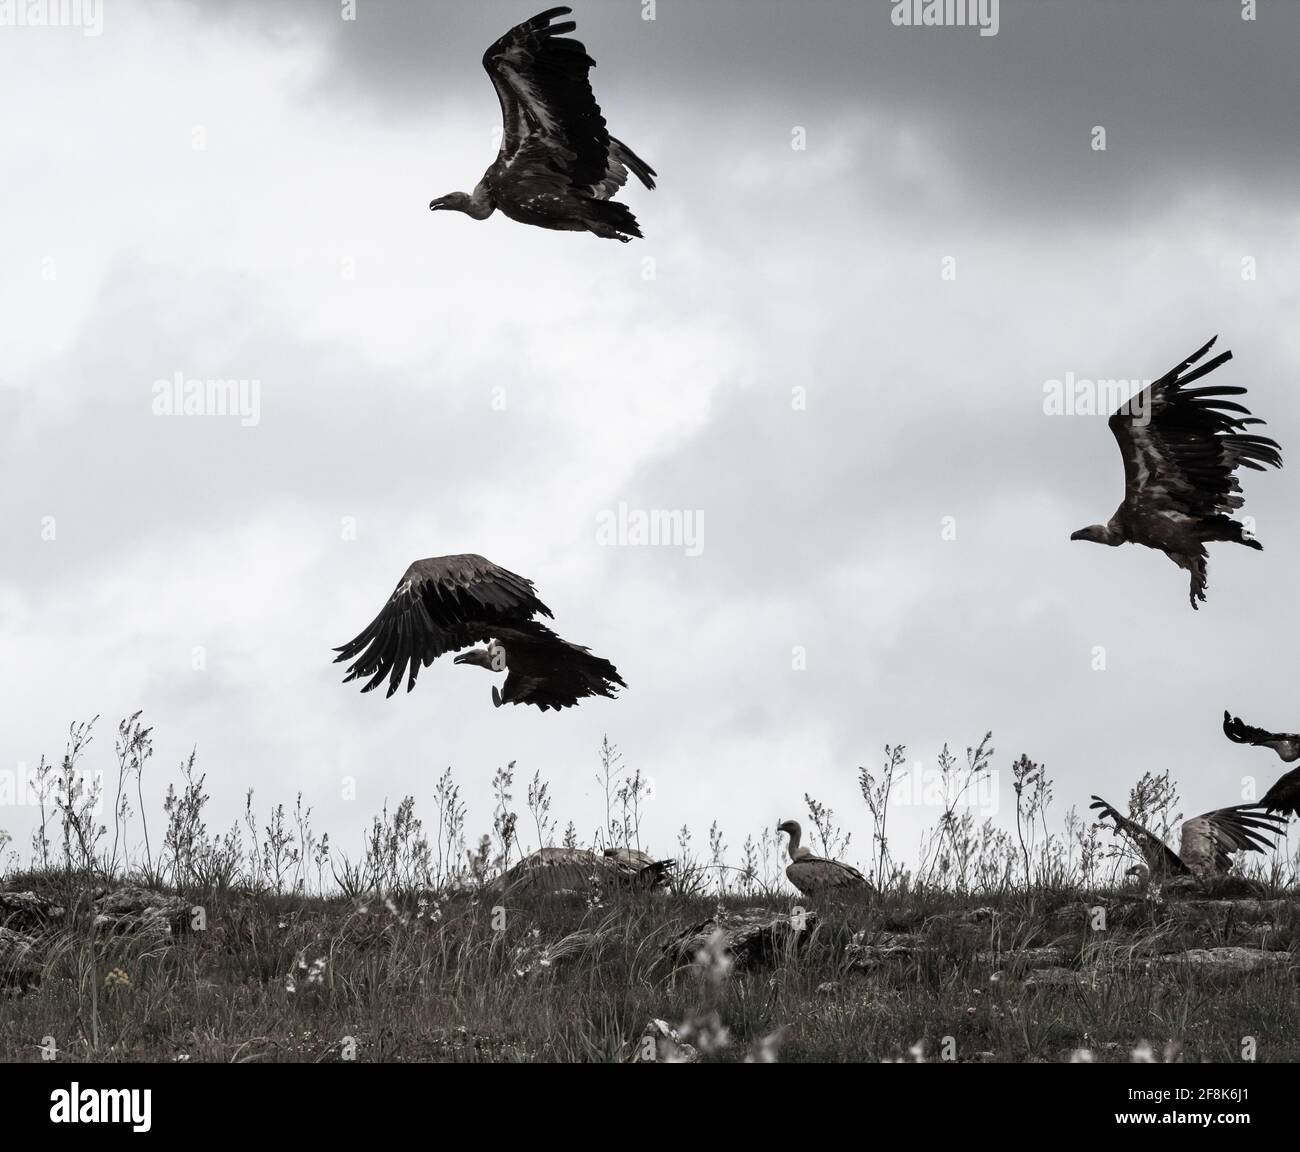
x,y
662,387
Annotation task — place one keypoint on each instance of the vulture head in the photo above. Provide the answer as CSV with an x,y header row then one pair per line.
x,y
493,658
479,204
1098,534
792,829
452,202
1140,874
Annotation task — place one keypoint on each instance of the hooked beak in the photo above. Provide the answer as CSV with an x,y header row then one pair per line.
x,y
440,202
463,658
1081,534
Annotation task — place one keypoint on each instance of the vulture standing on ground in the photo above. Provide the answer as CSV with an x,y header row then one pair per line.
x,y
558,166
1284,796
815,874
1181,448
1206,844
554,870
447,603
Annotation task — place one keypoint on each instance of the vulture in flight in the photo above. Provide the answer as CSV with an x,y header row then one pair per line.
x,y
813,875
1206,844
1284,796
1181,448
447,603
558,166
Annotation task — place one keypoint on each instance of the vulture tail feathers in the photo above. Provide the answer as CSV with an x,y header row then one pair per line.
x,y
639,168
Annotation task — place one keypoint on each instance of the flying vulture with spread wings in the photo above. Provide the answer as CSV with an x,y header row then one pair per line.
x,y
1206,844
1181,448
447,603
1284,796
558,166
816,874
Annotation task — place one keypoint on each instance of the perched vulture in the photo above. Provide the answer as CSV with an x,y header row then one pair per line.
x,y
1284,796
447,603
1181,448
1206,844
815,874
553,870
558,166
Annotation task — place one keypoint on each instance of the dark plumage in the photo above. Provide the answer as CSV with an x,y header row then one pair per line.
x,y
1181,448
447,603
558,166
554,870
1284,796
1206,842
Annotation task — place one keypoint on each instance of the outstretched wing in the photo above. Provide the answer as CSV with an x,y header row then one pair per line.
x,y
1284,796
1285,744
1209,840
1181,446
1160,858
440,605
548,671
551,121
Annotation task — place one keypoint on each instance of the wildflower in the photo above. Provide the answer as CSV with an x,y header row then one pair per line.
x,y
117,979
713,959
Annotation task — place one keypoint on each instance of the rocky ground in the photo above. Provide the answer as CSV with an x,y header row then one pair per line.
x,y
130,974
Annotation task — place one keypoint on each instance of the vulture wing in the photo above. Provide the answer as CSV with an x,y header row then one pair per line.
x,y
1284,796
551,870
811,874
1285,744
440,604
552,125
548,671
1160,858
1208,841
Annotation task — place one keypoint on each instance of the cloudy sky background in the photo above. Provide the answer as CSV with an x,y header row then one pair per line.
x,y
773,269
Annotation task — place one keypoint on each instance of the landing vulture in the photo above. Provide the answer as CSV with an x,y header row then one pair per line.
x,y
1285,744
1207,842
555,870
447,603
1284,796
1181,448
815,874
558,166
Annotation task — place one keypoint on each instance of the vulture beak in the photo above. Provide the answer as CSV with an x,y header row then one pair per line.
x,y
440,202
1081,534
463,658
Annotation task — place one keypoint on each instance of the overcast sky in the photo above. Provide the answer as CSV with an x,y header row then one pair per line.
x,y
240,190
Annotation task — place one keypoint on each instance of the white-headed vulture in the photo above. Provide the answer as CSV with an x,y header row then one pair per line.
x,y
813,875
447,603
1181,448
1206,844
558,166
